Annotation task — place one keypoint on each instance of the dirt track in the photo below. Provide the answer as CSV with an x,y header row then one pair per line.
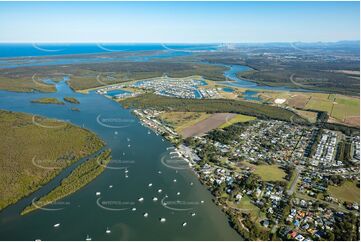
x,y
214,121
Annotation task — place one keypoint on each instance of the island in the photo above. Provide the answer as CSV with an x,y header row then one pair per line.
x,y
78,178
48,100
71,100
47,147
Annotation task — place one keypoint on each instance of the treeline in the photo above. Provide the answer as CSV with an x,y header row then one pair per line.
x,y
78,178
322,118
211,106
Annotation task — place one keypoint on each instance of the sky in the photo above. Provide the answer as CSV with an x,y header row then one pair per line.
x,y
178,22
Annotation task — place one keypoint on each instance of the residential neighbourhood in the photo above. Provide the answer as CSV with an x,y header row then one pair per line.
x,y
280,179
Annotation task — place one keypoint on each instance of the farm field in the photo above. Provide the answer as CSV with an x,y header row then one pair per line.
x,y
341,109
206,125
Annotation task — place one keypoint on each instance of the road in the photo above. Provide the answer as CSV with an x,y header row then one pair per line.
x,y
298,170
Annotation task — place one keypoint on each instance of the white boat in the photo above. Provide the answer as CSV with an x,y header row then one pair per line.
x,y
97,193
88,238
150,184
162,220
56,225
191,183
159,190
202,201
133,209
129,145
155,199
110,186
145,215
193,214
175,180
159,172
140,199
178,193
126,176
108,231
148,132
126,171
184,224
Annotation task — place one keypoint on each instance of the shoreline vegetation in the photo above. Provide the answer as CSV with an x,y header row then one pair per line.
x,y
163,103
48,100
40,158
77,179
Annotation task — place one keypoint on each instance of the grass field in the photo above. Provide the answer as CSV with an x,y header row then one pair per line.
x,y
346,192
245,204
270,172
345,107
182,120
239,118
319,104
32,154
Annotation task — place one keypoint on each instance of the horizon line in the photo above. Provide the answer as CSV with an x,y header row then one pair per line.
x,y
112,42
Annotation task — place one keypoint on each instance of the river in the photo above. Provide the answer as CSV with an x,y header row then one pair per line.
x,y
133,146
